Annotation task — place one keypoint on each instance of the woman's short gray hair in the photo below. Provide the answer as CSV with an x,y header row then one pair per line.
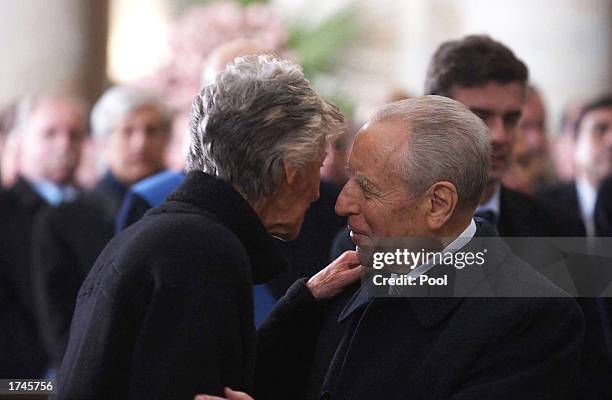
x,y
447,142
257,113
119,101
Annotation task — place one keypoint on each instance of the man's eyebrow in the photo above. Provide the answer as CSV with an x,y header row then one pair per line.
x,y
481,112
361,179
513,113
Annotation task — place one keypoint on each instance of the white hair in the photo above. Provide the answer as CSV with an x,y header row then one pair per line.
x,y
119,101
258,113
447,142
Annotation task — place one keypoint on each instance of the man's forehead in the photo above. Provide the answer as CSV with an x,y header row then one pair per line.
x,y
377,144
493,96
604,113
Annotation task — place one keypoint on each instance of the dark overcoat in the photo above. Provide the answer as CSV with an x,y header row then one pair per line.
x,y
459,347
167,310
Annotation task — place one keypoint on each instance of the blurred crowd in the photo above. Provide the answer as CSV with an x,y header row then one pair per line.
x,y
74,175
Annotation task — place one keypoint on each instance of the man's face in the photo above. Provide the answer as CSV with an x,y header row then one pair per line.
x,y
594,145
52,140
333,169
375,198
134,148
533,123
499,106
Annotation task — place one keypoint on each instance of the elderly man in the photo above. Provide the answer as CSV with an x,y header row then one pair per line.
x,y
167,310
418,168
49,133
131,129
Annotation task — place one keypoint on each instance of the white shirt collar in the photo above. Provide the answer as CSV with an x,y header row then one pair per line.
x,y
457,244
494,203
52,193
587,197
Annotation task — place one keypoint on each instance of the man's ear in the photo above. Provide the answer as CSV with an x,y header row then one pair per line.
x,y
291,173
443,200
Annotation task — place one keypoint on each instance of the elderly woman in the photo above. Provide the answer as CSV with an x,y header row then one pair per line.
x,y
131,128
167,310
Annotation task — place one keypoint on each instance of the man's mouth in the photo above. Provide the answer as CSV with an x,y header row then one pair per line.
x,y
357,237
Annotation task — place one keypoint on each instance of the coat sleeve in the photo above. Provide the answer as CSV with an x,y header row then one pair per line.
x,y
521,367
286,343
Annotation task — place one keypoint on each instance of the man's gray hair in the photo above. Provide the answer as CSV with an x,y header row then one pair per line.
x,y
447,142
119,101
258,113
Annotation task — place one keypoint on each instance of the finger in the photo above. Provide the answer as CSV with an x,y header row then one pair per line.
x,y
207,397
349,257
351,275
234,395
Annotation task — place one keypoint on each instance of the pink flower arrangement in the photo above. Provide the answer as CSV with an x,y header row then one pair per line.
x,y
197,33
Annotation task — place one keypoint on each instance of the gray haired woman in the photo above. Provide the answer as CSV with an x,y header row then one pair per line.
x,y
167,310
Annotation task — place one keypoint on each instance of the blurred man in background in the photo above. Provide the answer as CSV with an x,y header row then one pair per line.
x,y
487,77
593,161
48,135
132,129
531,167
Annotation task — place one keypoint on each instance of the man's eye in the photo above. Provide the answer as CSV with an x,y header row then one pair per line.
x,y
366,188
511,120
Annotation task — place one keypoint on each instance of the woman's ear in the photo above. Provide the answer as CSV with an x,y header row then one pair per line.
x,y
443,201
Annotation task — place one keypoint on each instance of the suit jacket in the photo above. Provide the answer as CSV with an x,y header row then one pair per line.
x,y
65,244
21,350
427,348
167,310
603,209
562,200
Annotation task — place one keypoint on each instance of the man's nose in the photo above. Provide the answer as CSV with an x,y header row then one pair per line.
x,y
498,130
347,204
138,140
608,137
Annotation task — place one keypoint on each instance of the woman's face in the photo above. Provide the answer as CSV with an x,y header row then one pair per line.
x,y
283,212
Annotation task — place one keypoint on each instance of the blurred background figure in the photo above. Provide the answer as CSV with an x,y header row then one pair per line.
x,y
47,138
593,161
603,209
7,155
131,128
564,142
333,170
531,167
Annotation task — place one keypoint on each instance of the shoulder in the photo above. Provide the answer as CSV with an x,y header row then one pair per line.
x,y
180,238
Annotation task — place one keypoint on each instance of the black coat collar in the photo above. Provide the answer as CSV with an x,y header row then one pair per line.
x,y
231,209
